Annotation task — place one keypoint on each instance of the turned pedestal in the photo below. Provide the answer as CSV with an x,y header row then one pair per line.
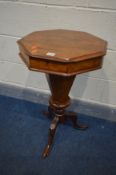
x,y
61,54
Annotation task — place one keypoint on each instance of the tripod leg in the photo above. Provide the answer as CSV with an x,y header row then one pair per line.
x,y
51,134
76,124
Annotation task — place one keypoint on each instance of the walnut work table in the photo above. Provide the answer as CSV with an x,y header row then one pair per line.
x,y
61,54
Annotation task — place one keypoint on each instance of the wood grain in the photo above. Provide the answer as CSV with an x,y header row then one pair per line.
x,y
65,45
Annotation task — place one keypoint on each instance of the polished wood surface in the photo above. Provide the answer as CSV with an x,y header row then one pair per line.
x,y
63,45
61,54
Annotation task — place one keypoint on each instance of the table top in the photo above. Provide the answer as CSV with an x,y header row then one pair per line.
x,y
63,45
62,52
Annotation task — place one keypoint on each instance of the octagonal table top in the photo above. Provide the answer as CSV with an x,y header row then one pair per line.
x,y
62,52
63,45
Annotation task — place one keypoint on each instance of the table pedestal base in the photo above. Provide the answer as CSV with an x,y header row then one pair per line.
x,y
60,87
55,121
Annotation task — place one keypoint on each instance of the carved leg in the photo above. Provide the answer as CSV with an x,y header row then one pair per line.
x,y
51,134
73,116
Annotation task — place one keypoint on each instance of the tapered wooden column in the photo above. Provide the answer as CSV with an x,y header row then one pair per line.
x,y
60,87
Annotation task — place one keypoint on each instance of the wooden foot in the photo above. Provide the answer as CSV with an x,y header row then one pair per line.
x,y
73,117
51,134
